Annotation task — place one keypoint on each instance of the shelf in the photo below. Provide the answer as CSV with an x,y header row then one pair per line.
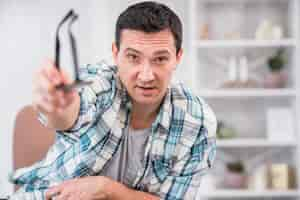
x,y
237,93
230,143
249,194
244,43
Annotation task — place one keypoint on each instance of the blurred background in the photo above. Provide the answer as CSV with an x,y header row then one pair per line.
x,y
241,56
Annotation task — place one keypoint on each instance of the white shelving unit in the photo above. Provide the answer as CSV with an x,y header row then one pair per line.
x,y
252,101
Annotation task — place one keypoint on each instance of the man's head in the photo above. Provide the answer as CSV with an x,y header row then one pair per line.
x,y
147,50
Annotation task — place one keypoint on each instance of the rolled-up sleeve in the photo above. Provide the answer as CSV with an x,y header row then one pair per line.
x,y
93,98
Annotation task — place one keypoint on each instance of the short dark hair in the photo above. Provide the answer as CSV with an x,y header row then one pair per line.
x,y
149,17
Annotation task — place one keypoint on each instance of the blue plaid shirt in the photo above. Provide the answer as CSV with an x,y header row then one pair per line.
x,y
180,149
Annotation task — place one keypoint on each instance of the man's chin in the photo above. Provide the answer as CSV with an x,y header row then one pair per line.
x,y
147,100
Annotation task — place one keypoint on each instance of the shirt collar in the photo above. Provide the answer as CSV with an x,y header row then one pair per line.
x,y
165,113
125,100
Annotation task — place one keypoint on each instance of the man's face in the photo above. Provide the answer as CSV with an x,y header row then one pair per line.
x,y
146,62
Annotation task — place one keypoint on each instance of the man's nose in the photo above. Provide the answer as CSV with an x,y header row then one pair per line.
x,y
146,73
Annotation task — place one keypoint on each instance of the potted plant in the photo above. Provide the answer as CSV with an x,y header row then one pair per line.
x,y
235,177
224,131
276,78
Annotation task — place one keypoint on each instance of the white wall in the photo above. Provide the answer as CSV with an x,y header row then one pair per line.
x,y
27,40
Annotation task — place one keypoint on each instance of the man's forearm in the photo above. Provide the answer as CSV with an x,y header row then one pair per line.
x,y
118,191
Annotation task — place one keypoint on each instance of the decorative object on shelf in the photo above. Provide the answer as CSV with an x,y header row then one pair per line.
x,y
242,74
282,177
280,124
259,179
224,131
276,78
232,69
232,36
244,69
204,32
277,33
267,31
239,78
232,73
235,176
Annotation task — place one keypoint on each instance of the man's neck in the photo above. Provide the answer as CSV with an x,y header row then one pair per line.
x,y
143,116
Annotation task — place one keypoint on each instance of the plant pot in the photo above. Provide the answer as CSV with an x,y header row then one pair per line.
x,y
275,79
235,180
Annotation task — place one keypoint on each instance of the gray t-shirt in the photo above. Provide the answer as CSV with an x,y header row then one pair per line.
x,y
124,165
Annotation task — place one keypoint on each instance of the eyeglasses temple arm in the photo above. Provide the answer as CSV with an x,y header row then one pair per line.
x,y
57,42
74,47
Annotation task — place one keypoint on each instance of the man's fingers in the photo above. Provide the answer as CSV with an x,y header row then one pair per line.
x,y
42,83
65,77
46,97
52,80
53,74
56,99
45,105
62,197
54,191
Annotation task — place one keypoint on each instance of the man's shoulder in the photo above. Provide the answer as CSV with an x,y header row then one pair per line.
x,y
102,68
102,74
103,87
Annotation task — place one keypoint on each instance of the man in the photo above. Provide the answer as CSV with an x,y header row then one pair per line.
x,y
131,134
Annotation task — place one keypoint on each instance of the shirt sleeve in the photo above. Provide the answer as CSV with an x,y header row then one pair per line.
x,y
184,180
93,98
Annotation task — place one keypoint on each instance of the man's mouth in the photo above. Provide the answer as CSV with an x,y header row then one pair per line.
x,y
147,91
146,88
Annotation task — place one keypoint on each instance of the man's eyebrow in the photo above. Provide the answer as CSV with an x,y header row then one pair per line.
x,y
161,52
131,49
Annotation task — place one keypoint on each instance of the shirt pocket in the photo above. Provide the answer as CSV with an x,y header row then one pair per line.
x,y
160,169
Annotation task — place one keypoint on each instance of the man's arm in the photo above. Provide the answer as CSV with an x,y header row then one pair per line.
x,y
118,191
96,187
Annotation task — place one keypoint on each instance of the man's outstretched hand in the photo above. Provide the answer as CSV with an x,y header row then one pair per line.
x,y
61,108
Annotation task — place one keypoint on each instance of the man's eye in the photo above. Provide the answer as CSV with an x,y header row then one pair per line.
x,y
160,60
132,57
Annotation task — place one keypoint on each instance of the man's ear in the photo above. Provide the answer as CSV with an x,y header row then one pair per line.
x,y
179,56
115,52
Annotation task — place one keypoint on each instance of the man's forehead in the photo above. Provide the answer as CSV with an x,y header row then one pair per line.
x,y
158,42
158,51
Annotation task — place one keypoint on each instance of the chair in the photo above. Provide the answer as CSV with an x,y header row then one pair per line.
x,y
31,140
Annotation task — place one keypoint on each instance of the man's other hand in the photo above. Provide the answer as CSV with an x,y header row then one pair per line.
x,y
86,188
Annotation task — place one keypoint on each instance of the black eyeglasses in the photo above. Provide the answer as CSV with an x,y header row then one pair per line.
x,y
72,17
